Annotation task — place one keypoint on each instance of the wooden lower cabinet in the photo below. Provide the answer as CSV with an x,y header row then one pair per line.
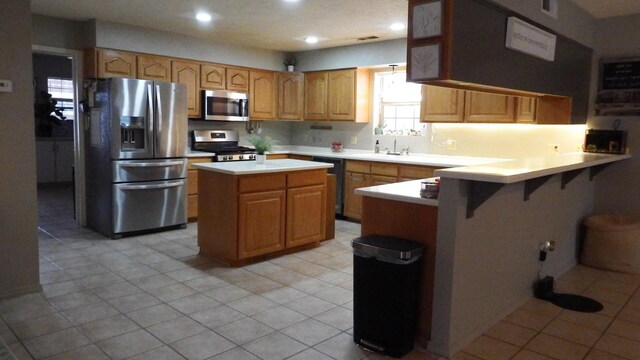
x,y
261,223
306,208
192,187
353,202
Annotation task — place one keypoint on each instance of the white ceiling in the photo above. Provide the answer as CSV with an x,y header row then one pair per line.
x,y
272,24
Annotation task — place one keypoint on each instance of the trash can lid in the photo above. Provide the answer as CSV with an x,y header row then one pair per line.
x,y
387,247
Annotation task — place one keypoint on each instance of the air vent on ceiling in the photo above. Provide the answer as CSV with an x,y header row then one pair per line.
x,y
550,7
365,38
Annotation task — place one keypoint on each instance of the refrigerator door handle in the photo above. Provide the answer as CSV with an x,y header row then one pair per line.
x,y
151,187
151,119
152,164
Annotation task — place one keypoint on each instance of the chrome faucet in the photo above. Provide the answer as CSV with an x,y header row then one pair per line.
x,y
394,152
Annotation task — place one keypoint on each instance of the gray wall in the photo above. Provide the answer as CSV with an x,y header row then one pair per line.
x,y
18,220
368,54
616,186
61,33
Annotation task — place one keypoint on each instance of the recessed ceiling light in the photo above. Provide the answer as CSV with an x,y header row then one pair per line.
x,y
203,17
291,0
397,26
311,39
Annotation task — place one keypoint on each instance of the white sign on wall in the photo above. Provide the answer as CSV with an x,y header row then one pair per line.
x,y
530,40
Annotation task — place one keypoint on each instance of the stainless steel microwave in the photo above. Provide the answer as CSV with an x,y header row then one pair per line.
x,y
224,105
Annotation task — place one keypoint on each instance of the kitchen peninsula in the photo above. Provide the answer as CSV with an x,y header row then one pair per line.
x,y
249,211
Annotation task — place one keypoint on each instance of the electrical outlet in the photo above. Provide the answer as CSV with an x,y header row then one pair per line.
x,y
354,140
553,148
451,144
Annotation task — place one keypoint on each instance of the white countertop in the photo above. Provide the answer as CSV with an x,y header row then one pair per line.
x,y
507,172
406,191
269,166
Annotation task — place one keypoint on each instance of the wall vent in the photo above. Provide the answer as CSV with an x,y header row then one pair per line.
x,y
365,38
550,7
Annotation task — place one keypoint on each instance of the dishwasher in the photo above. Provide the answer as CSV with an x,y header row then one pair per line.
x,y
338,170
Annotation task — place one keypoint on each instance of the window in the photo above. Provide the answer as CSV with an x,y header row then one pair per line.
x,y
61,90
398,104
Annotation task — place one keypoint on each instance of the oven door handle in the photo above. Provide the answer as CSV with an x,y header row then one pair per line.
x,y
152,164
151,187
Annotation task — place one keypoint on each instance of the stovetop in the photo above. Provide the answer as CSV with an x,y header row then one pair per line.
x,y
223,144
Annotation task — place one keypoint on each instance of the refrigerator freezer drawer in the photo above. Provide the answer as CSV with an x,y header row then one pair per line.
x,y
149,205
148,170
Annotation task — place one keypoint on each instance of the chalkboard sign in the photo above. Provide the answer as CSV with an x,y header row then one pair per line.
x,y
621,75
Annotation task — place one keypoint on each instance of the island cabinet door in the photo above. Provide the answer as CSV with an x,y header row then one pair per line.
x,y
261,223
306,215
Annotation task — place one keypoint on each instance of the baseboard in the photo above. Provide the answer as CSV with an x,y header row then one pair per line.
x,y
24,290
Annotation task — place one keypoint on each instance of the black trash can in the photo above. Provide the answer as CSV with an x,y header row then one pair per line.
x,y
386,289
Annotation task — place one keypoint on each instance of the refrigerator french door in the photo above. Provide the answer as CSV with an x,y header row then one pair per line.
x,y
136,157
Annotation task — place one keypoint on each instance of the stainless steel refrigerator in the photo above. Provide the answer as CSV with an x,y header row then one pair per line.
x,y
136,166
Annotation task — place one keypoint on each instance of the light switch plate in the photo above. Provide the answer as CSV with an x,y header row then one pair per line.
x,y
6,85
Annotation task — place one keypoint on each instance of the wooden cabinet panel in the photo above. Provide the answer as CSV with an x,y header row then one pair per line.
x,y
262,95
381,180
353,202
300,157
277,156
212,77
486,107
262,182
526,109
306,208
416,172
378,168
306,178
358,166
440,104
341,95
192,206
261,223
192,182
188,73
290,96
237,79
113,63
154,68
315,95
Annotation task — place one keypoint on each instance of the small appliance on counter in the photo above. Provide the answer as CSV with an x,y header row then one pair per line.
x,y
223,144
135,156
605,141
430,188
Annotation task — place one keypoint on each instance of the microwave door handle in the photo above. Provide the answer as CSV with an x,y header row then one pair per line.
x,y
243,107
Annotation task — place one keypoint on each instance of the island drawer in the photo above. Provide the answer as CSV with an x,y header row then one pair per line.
x,y
306,178
195,160
262,182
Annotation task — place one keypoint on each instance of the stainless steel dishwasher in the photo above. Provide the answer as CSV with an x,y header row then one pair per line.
x,y
338,170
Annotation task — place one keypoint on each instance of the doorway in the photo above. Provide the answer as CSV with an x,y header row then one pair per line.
x,y
57,126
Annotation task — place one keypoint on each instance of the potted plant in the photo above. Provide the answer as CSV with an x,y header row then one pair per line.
x,y
290,63
262,144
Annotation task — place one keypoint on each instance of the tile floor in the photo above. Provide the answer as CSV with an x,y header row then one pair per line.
x,y
153,297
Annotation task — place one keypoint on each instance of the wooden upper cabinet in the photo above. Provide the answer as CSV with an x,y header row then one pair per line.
x,y
262,95
114,63
188,73
440,104
154,68
315,95
341,95
526,109
212,77
237,79
290,95
487,107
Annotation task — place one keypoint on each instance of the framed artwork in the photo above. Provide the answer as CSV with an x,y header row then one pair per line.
x,y
425,62
427,19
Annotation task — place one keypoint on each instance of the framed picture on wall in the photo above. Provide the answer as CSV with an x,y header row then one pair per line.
x,y
427,19
425,62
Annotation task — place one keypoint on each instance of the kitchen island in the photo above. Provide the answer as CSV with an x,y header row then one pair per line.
x,y
249,211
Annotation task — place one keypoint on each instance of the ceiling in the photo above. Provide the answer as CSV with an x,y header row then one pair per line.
x,y
272,24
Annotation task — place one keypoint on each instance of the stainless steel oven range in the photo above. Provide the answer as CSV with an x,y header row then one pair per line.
x,y
223,144
135,155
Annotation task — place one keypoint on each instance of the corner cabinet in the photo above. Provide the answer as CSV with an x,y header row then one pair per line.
x,y
338,95
188,73
290,96
263,88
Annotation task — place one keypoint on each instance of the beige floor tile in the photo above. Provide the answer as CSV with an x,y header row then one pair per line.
x,y
206,283
541,307
310,305
133,302
236,353
40,326
153,315
490,349
274,346
511,333
310,332
107,328
89,352
153,282
462,356
594,321
243,330
530,355
89,313
604,295
162,353
202,346
116,290
129,344
631,314
625,329
311,354
601,355
252,304
73,300
279,317
56,343
171,292
557,348
283,295
258,284
227,293
341,347
176,329
335,294
193,303
624,287
528,319
339,317
619,346
572,332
